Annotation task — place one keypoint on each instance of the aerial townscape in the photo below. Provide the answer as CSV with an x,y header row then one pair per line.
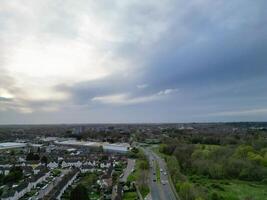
x,y
134,161
133,99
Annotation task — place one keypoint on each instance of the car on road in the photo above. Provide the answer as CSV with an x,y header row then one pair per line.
x,y
154,180
44,186
164,182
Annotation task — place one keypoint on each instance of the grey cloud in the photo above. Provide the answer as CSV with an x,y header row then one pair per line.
x,y
214,52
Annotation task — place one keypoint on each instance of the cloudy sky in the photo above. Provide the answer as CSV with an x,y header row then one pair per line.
x,y
65,61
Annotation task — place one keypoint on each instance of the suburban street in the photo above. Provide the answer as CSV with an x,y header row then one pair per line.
x,y
158,189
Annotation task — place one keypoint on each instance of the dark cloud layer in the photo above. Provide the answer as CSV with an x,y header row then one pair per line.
x,y
186,61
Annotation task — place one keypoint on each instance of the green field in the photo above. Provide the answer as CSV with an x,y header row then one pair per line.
x,y
130,196
241,190
232,189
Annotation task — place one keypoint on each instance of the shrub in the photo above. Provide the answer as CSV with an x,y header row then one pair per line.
x,y
79,192
187,191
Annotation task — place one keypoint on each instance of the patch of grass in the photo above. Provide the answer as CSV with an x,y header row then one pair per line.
x,y
243,190
88,179
157,172
94,195
56,172
144,190
130,196
232,189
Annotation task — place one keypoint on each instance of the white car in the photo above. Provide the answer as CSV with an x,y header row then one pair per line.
x,y
164,182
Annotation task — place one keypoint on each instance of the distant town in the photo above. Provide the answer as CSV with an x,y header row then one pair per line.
x,y
118,161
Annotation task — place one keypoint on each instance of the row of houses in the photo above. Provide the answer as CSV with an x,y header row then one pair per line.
x,y
24,187
62,185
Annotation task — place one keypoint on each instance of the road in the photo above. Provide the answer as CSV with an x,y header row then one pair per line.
x,y
128,170
159,191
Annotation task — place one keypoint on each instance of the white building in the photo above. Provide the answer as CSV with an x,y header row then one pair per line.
x,y
119,148
11,145
116,147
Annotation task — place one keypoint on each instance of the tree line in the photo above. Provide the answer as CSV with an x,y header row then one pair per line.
x,y
239,157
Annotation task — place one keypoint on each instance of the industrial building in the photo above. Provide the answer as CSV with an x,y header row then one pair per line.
x,y
11,145
116,147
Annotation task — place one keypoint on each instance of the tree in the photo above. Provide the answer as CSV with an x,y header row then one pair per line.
x,y
167,149
216,171
135,150
174,168
79,193
1,178
243,150
215,196
12,152
31,156
234,166
144,165
199,198
15,174
115,177
187,191
44,160
183,154
100,149
255,157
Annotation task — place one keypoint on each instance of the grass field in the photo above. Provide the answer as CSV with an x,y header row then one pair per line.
x,y
242,190
232,189
130,196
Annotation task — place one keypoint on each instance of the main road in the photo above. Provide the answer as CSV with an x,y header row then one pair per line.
x,y
159,190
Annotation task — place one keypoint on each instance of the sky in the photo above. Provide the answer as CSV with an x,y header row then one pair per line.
x,y
134,61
